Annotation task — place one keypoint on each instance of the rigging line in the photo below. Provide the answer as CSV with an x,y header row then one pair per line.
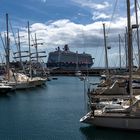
x,y
3,42
138,5
103,51
112,16
123,60
13,55
13,34
34,43
122,42
32,40
15,44
123,50
134,54
116,60
2,58
122,39
134,37
102,54
43,67
98,47
96,53
135,58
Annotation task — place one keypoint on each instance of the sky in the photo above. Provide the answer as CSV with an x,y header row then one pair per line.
x,y
78,23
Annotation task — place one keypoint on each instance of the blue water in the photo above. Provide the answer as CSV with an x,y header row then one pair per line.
x,y
52,113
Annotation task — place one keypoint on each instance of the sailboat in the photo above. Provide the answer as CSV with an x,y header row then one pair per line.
x,y
13,79
5,86
20,80
124,118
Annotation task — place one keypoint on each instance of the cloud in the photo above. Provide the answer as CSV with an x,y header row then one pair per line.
x,y
43,1
92,5
98,15
99,11
38,26
60,32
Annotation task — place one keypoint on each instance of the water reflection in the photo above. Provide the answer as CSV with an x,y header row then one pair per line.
x,y
92,133
6,95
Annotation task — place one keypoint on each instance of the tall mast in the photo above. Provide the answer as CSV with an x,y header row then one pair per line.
x,y
77,68
126,48
36,47
106,56
30,69
19,48
137,32
7,49
120,50
19,52
130,56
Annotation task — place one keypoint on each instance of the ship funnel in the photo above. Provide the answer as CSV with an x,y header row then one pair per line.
x,y
66,48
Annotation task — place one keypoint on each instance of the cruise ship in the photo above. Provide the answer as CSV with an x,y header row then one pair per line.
x,y
68,60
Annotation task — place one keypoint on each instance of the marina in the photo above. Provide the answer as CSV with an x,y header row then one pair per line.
x,y
52,112
70,75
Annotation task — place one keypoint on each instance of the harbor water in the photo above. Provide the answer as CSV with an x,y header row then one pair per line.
x,y
52,113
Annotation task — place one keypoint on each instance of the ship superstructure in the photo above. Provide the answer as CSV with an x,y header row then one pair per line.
x,y
67,60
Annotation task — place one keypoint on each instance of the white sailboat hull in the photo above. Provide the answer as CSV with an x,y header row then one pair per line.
x,y
24,85
29,84
120,123
21,85
5,88
24,82
114,121
38,81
